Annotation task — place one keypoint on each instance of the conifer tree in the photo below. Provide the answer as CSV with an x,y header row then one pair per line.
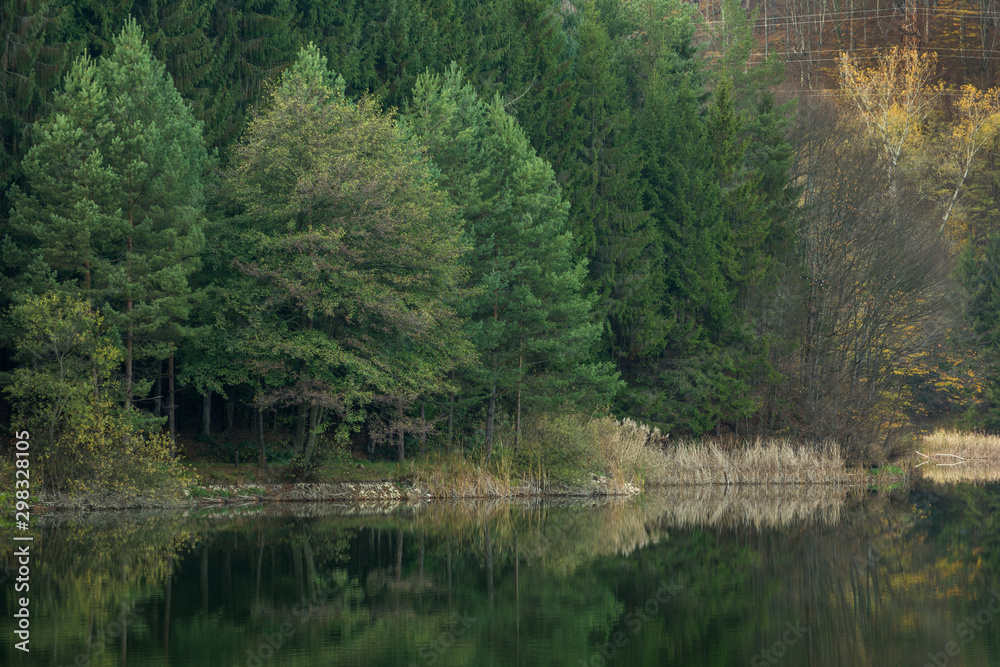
x,y
252,42
534,329
347,255
112,210
608,213
34,58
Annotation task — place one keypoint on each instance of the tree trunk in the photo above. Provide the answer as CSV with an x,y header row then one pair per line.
x,y
172,409
315,418
300,429
491,409
423,434
451,420
230,409
262,455
158,391
400,437
206,413
517,415
128,359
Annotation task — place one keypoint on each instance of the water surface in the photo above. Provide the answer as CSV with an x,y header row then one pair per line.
x,y
693,577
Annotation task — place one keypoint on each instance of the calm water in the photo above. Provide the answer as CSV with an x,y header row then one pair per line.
x,y
694,578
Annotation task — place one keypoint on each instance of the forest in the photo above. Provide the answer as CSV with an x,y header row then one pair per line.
x,y
310,227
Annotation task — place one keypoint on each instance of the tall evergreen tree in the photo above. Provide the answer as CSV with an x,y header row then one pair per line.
x,y
347,255
113,205
177,34
981,275
534,329
252,42
33,59
608,196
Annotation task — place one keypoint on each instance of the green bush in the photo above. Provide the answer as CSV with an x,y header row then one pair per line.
x,y
83,442
561,446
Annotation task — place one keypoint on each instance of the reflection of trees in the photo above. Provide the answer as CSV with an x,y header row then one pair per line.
x,y
89,574
546,582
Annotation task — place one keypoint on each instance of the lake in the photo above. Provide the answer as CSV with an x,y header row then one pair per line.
x,y
692,577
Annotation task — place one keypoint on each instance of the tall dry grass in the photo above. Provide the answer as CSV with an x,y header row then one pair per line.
x,y
775,461
630,450
451,475
959,457
628,455
637,453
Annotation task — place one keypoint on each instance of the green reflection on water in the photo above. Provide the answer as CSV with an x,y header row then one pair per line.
x,y
709,576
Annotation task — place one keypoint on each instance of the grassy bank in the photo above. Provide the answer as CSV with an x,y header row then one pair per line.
x,y
571,455
563,455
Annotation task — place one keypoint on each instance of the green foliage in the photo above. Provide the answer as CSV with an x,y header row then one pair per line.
x,y
526,314
83,443
251,43
608,196
112,209
347,254
981,275
563,446
34,57
596,197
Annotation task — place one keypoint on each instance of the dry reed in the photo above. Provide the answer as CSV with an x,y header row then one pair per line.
x,y
454,476
761,462
633,455
971,457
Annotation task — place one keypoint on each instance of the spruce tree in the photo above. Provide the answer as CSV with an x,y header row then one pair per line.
x,y
35,55
252,43
534,329
609,213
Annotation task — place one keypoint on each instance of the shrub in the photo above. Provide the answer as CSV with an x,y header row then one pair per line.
x,y
83,443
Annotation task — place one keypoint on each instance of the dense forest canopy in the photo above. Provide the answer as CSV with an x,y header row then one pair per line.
x,y
376,224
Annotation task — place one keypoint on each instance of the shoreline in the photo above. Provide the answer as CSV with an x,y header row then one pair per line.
x,y
394,492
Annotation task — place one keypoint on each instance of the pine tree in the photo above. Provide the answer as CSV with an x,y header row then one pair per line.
x,y
347,254
113,206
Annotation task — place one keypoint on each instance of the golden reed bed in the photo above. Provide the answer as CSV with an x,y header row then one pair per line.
x,y
952,456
